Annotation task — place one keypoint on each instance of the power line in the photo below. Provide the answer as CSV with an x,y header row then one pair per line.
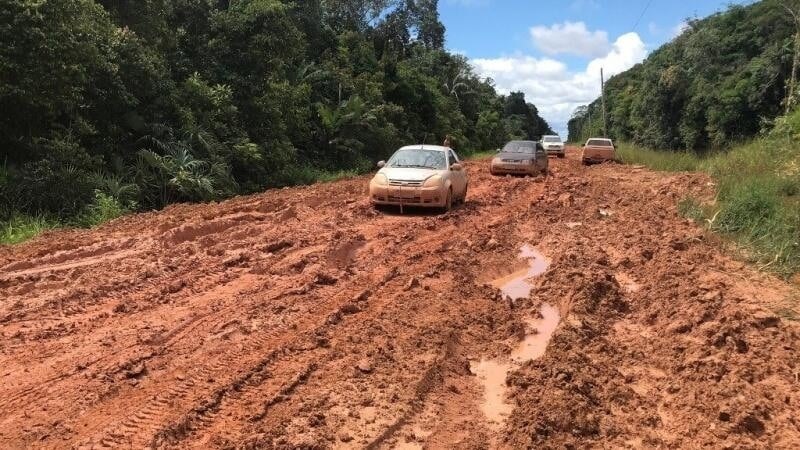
x,y
642,14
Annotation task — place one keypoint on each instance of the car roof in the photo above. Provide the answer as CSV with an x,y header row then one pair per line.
x,y
425,147
550,135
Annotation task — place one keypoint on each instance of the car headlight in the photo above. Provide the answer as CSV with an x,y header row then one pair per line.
x,y
380,180
496,161
433,181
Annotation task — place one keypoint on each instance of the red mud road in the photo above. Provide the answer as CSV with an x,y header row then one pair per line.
x,y
301,318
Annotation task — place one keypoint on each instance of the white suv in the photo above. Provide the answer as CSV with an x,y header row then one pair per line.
x,y
554,145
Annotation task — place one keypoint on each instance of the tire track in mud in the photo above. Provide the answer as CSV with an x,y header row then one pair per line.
x,y
136,429
301,313
114,362
182,429
205,413
432,377
143,417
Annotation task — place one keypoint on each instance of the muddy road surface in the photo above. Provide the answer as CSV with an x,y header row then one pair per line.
x,y
578,311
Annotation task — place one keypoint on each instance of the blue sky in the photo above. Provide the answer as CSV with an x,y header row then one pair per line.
x,y
552,50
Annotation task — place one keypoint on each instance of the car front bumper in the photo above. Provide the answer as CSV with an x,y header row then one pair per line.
x,y
596,159
555,151
407,195
514,169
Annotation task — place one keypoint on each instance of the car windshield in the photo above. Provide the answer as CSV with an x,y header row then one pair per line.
x,y
520,147
599,143
419,159
552,139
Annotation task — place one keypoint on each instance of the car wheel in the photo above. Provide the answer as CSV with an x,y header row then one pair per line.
x,y
561,155
448,203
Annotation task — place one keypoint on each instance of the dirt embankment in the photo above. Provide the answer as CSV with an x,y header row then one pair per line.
x,y
301,318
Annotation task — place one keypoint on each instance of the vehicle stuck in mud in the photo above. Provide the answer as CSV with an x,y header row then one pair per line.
x,y
554,145
299,318
598,150
520,158
420,175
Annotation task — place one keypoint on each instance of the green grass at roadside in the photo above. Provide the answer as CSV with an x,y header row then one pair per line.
x,y
758,199
660,160
483,154
19,228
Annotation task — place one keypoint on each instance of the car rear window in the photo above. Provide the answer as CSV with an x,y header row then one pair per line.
x,y
600,143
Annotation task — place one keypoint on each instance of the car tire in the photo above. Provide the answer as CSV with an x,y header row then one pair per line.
x,y
561,155
448,203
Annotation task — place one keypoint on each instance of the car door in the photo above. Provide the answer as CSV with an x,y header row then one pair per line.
x,y
459,176
541,157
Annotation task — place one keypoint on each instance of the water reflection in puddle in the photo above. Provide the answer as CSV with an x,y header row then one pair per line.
x,y
535,343
492,373
516,285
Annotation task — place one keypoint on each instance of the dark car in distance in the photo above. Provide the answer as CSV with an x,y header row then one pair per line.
x,y
520,158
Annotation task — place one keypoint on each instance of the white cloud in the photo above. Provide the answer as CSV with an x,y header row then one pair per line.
x,y
570,37
678,29
551,86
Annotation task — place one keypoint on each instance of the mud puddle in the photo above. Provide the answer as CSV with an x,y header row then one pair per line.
x,y
516,285
492,373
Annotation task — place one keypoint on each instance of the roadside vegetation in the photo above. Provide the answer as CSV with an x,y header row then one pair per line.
x,y
715,84
129,106
758,185
717,99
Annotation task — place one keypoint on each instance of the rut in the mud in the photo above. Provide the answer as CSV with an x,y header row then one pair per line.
x,y
304,318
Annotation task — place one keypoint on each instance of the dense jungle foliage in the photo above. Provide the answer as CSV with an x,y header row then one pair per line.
x,y
117,105
722,80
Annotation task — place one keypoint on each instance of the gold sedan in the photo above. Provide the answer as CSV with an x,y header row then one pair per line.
x,y
420,175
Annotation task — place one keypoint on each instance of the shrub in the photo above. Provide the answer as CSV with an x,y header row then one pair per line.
x,y
59,183
759,185
101,210
18,228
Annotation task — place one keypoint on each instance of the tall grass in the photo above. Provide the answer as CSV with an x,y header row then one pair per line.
x,y
480,154
659,160
758,199
19,228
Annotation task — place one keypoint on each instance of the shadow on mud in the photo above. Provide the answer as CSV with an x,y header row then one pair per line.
x,y
417,211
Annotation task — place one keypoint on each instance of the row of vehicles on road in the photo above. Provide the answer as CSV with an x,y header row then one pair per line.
x,y
433,175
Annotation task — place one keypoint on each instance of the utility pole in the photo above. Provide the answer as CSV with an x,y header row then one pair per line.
x,y
603,97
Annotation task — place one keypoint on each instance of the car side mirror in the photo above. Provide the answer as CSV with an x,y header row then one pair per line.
x,y
456,167
381,164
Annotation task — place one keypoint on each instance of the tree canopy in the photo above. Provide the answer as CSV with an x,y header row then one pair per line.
x,y
157,101
716,83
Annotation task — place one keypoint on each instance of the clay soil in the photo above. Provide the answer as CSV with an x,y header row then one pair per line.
x,y
303,318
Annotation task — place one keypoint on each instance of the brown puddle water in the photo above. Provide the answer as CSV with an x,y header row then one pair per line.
x,y
492,373
516,285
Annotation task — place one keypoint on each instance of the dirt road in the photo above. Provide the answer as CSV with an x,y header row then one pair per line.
x,y
301,318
